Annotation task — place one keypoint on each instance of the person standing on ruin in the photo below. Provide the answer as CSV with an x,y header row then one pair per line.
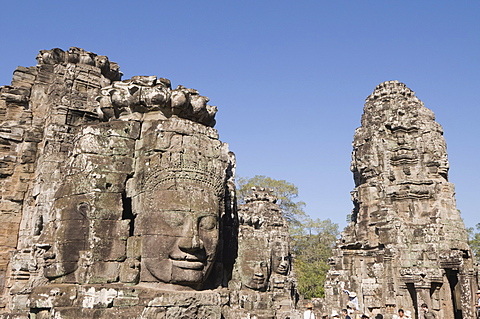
x,y
427,314
308,314
353,299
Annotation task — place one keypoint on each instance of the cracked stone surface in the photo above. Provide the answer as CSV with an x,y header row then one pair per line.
x,y
118,200
406,244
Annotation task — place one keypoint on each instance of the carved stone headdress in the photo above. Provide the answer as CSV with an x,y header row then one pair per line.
x,y
184,174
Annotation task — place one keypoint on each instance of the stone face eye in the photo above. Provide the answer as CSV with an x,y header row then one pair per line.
x,y
83,208
208,222
173,218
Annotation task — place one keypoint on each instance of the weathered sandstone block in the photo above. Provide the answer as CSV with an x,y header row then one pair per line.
x,y
118,199
406,244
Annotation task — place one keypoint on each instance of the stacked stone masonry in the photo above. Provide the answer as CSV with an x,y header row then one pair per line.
x,y
118,200
406,244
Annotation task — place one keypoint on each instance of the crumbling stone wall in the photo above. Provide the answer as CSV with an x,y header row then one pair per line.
x,y
406,244
118,199
42,111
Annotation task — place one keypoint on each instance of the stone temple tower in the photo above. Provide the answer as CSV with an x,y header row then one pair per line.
x,y
406,243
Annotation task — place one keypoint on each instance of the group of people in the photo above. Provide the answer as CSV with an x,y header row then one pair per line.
x,y
351,311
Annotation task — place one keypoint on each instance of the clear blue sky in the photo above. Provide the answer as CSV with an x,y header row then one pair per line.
x,y
289,77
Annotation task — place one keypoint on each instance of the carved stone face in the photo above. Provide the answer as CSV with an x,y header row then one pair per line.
x,y
60,260
258,275
180,231
68,237
280,259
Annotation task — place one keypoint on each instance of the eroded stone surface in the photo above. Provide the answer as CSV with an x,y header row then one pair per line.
x,y
42,111
406,243
118,199
263,282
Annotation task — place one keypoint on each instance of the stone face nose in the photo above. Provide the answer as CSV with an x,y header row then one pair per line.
x,y
283,265
258,271
190,240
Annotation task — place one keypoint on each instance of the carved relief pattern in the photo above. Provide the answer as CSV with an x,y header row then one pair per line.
x,y
404,217
263,270
95,167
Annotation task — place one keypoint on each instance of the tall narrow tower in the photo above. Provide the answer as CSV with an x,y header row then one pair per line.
x,y
406,243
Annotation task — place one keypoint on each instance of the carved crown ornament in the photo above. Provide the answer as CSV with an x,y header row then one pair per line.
x,y
183,173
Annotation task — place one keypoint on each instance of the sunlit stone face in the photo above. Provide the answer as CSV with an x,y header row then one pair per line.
x,y
68,237
180,231
255,261
280,259
257,275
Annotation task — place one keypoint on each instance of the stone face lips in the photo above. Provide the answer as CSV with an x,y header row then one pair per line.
x,y
406,243
118,199
262,276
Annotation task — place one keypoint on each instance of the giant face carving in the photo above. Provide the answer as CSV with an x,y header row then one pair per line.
x,y
257,275
68,236
255,261
180,231
280,258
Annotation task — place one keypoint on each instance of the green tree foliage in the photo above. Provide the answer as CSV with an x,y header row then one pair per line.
x,y
474,240
312,243
286,193
312,239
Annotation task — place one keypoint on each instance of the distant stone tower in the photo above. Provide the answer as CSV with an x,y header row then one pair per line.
x,y
406,244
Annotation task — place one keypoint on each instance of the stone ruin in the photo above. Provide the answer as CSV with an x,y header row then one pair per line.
x,y
262,278
118,200
406,243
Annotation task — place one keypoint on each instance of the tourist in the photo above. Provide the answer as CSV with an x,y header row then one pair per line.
x,y
408,314
401,314
350,311
427,314
477,305
345,314
308,314
335,314
353,299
